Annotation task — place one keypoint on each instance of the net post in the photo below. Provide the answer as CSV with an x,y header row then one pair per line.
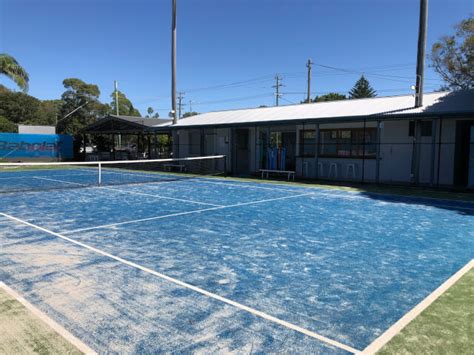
x,y
100,174
225,165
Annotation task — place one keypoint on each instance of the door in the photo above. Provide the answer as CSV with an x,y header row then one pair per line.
x,y
464,154
289,143
241,152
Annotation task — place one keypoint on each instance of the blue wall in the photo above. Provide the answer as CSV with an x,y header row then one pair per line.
x,y
14,145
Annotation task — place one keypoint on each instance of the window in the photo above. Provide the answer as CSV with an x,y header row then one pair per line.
x,y
307,143
426,127
194,143
275,140
348,143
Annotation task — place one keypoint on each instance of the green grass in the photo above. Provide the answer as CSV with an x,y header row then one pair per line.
x,y
445,327
21,332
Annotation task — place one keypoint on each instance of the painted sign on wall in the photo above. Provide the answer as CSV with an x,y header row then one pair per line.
x,y
15,145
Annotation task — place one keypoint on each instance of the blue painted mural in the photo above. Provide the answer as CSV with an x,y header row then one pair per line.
x,y
14,145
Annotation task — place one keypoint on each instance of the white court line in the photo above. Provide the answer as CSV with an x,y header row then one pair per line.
x,y
50,322
36,176
410,200
193,288
160,196
61,181
397,327
183,213
353,195
246,185
138,173
131,192
321,187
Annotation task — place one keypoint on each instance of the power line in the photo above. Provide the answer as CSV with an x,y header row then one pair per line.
x,y
233,100
291,102
380,76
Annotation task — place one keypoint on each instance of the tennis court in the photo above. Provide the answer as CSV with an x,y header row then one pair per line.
x,y
152,262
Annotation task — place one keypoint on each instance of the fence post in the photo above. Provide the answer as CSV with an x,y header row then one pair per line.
x,y
433,151
377,160
316,153
363,151
440,147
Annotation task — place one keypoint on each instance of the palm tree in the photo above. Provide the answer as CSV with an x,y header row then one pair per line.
x,y
10,67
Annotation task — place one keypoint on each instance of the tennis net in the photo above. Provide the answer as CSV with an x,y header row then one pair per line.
x,y
16,177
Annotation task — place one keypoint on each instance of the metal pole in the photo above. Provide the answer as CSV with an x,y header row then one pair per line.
x,y
316,161
433,152
180,103
363,152
277,89
309,65
302,154
256,150
420,61
173,63
377,161
439,150
116,98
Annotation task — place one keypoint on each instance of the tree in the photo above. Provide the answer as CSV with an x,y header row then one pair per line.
x,y
453,56
7,126
150,111
49,111
189,114
125,105
13,70
332,96
18,107
83,95
362,89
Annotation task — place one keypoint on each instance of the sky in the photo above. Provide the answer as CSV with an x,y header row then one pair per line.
x,y
228,51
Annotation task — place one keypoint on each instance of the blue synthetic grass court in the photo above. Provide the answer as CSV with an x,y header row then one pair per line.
x,y
219,265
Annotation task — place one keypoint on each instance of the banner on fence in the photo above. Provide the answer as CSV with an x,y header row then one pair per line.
x,y
16,145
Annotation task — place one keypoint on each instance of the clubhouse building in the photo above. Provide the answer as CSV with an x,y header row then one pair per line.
x,y
382,140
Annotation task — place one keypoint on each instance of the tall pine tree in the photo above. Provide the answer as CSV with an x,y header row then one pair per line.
x,y
362,89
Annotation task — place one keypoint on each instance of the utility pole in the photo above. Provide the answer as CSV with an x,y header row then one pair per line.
x,y
309,66
190,105
180,103
277,87
420,60
116,98
173,62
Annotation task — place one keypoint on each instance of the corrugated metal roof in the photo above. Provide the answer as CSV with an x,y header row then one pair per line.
x,y
434,103
148,122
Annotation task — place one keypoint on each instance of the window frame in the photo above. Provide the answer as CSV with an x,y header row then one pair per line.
x,y
302,144
352,146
